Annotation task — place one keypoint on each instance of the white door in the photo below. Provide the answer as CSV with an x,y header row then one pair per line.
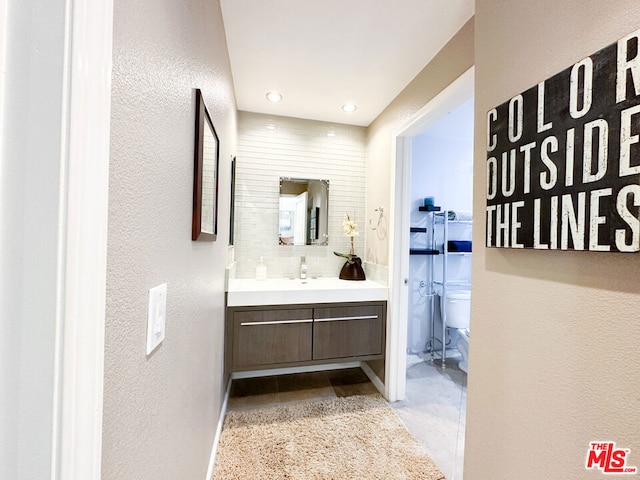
x,y
300,220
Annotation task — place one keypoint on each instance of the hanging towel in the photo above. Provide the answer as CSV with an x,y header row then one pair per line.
x,y
459,215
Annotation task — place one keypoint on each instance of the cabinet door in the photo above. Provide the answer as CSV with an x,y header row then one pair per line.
x,y
348,331
265,337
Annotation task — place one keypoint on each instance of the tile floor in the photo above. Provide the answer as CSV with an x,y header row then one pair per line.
x,y
433,410
277,390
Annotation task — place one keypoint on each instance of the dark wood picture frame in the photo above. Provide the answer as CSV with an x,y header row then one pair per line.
x,y
232,202
205,178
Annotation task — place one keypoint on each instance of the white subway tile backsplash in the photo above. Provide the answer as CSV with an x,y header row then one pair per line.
x,y
296,148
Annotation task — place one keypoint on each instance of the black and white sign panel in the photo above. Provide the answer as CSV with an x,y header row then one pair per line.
x,y
563,158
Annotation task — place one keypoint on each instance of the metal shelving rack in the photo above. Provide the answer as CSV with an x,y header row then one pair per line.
x,y
444,216
431,252
432,209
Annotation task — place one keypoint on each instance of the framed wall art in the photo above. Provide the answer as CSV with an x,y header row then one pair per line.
x,y
563,158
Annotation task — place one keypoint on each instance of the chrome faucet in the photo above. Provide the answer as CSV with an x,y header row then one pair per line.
x,y
303,267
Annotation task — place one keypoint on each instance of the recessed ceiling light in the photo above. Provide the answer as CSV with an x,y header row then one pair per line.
x,y
274,97
349,107
271,126
331,133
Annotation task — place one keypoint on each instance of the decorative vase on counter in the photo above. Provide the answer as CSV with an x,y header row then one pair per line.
x,y
352,268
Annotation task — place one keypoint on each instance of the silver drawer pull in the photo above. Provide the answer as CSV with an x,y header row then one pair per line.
x,y
336,319
276,322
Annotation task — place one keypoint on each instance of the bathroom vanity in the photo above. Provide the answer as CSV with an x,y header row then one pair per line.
x,y
286,323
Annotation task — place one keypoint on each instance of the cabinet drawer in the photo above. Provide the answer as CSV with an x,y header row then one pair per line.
x,y
348,331
265,337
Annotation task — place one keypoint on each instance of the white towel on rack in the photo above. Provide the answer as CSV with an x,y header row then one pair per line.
x,y
459,215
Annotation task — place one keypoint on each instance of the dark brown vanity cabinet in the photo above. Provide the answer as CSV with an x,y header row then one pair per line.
x,y
267,337
281,336
347,331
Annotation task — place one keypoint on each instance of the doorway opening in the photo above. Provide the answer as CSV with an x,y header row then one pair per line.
x,y
431,279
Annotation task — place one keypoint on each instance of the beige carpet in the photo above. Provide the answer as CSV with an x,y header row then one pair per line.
x,y
350,438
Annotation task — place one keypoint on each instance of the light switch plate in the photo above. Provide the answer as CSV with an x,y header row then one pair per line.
x,y
156,317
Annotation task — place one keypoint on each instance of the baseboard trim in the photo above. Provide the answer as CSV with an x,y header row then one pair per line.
x,y
216,439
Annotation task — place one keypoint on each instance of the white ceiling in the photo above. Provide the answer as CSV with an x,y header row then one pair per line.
x,y
321,54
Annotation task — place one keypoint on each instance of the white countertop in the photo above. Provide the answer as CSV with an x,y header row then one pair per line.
x,y
284,291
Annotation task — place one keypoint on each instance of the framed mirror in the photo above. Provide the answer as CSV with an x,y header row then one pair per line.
x,y
303,212
205,178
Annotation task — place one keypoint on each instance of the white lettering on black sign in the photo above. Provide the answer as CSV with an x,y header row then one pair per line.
x,y
563,158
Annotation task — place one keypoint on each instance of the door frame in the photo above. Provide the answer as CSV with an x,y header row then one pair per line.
x,y
57,413
85,139
458,92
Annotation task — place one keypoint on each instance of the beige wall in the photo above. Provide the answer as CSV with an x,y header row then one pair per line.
x,y
554,350
161,411
453,60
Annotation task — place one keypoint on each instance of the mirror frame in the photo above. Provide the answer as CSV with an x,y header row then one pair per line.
x,y
320,242
203,120
232,202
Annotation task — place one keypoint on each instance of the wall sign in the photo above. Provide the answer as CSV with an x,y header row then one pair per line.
x,y
563,158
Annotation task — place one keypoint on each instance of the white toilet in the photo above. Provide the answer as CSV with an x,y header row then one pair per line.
x,y
463,346
458,308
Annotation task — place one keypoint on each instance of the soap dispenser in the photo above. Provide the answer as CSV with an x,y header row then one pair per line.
x,y
261,270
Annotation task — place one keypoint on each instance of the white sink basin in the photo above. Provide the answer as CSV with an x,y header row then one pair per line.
x,y
284,291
